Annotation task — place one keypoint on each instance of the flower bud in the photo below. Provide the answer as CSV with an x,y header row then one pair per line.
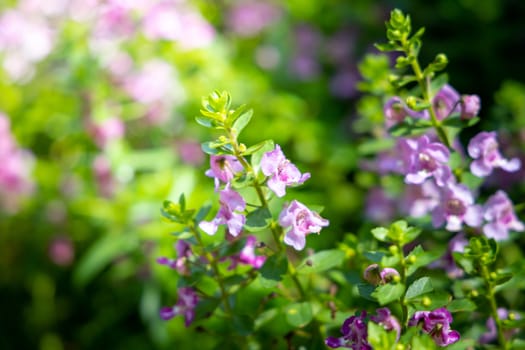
x,y
242,147
426,301
371,274
411,102
470,106
411,259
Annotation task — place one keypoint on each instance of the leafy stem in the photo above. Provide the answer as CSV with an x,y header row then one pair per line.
x,y
485,274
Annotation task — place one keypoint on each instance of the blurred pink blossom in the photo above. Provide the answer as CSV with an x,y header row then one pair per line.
x,y
61,250
249,18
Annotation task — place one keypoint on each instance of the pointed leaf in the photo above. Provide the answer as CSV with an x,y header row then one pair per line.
x,y
419,287
321,261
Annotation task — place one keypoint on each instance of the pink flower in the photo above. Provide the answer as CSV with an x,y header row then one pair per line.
x,y
154,83
181,262
396,110
185,306
423,159
379,207
281,171
61,250
485,150
106,131
250,18
103,176
470,106
437,324
384,317
455,207
419,200
247,255
223,168
231,202
500,217
300,221
446,102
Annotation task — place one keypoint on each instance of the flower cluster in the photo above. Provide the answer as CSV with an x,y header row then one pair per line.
x,y
437,324
15,172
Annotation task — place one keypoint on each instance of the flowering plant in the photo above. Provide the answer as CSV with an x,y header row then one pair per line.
x,y
259,250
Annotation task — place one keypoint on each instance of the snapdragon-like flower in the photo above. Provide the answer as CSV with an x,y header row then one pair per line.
x,y
374,275
419,200
281,171
500,217
355,333
223,168
300,221
247,255
185,306
396,110
446,102
470,106
423,159
484,149
384,317
456,207
180,263
230,201
437,324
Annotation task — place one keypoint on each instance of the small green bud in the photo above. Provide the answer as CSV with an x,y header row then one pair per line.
x,y
400,347
512,316
223,139
396,17
426,301
493,276
411,259
411,102
396,278
392,78
393,249
242,147
474,293
441,58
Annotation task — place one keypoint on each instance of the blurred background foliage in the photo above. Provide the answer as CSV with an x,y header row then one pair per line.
x,y
102,96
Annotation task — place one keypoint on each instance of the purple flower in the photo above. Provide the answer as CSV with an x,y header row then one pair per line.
x,y
375,276
230,201
492,331
379,207
223,168
185,306
423,159
437,324
396,111
281,171
247,255
419,200
446,102
355,333
183,254
301,221
456,244
455,207
485,150
500,217
470,106
389,322
106,131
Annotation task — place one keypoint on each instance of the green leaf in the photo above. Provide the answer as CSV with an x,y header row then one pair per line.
x,y
272,271
321,261
212,148
419,287
459,123
385,47
461,305
374,256
258,219
388,292
205,121
410,127
203,211
299,314
438,82
365,290
379,338
242,121
421,258
243,324
265,317
381,234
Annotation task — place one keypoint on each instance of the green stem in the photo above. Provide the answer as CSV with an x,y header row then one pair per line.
x,y
258,188
403,275
215,267
494,307
424,84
